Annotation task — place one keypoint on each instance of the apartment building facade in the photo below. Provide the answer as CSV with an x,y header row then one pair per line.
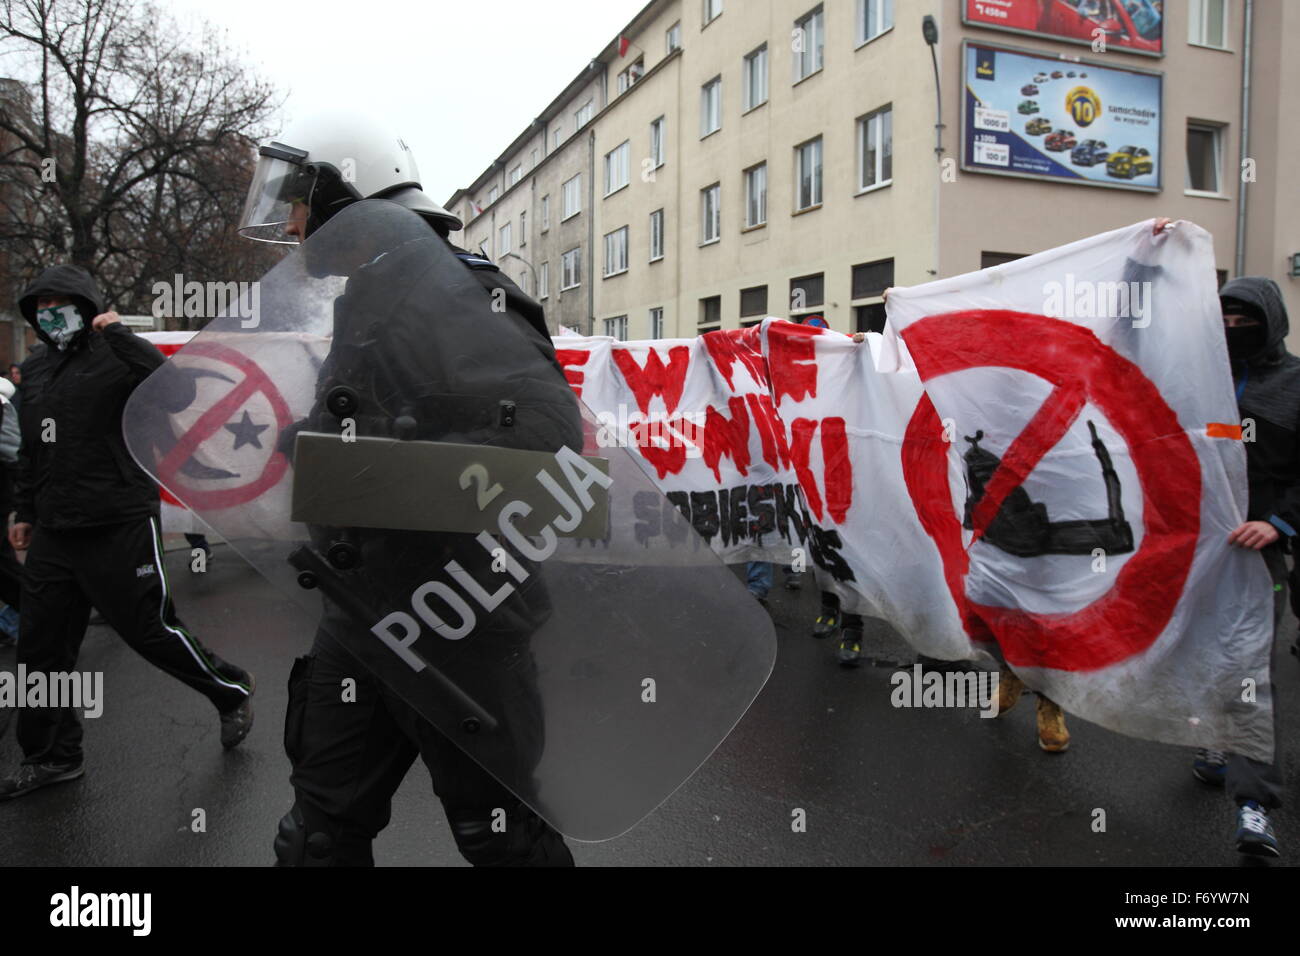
x,y
724,160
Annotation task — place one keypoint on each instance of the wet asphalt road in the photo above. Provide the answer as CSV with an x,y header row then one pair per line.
x,y
879,785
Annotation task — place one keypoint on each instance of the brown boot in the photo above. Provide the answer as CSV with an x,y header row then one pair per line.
x,y
1052,735
1010,687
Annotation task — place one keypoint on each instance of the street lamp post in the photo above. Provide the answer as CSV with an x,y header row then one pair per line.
x,y
930,30
531,270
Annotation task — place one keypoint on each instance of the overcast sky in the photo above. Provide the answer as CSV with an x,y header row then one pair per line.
x,y
457,80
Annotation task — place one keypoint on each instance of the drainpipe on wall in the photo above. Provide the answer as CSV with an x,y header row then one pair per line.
x,y
591,232
1239,263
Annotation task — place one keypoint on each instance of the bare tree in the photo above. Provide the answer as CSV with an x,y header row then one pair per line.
x,y
126,146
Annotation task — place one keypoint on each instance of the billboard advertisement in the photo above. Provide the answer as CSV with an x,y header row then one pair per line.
x,y
1042,117
1135,26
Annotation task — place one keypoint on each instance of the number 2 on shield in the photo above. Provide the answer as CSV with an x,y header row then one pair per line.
x,y
479,476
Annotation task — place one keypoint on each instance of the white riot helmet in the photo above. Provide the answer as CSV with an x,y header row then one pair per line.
x,y
327,162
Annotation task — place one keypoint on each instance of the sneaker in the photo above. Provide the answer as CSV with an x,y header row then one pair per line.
x,y
851,647
1210,766
827,623
1254,832
1010,689
32,776
235,724
1052,735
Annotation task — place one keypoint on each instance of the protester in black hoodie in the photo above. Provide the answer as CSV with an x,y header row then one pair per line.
x,y
89,517
1267,378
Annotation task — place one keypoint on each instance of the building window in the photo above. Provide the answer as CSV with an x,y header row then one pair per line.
x,y
808,172
987,260
515,175
712,10
756,78
616,167
874,18
711,213
673,37
628,77
546,212
711,310
1204,158
571,269
809,44
583,115
616,252
492,195
807,292
656,235
524,282
869,318
523,228
505,246
617,327
871,279
876,148
559,137
756,196
656,323
571,200
1207,23
658,143
753,301
543,280
711,107
532,160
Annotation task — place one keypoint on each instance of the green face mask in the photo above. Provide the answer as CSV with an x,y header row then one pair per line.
x,y
60,324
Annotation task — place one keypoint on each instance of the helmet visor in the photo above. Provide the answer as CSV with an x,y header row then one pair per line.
x,y
280,194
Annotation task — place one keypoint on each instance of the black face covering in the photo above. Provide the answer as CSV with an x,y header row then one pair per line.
x,y
1245,341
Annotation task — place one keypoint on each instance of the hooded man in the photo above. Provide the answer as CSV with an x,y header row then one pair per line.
x,y
1267,377
89,518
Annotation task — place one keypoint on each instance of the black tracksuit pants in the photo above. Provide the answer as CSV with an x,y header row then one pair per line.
x,y
119,570
350,756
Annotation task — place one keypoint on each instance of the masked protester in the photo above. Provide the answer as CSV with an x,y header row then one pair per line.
x,y
1267,378
409,368
88,517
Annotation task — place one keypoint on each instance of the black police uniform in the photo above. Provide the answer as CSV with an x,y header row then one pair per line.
x,y
439,357
96,539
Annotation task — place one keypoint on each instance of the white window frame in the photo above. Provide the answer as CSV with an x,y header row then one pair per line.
x,y
673,38
532,159
559,137
711,107
875,118
544,280
616,327
582,115
656,235
756,175
515,175
565,213
1198,16
712,9
546,212
627,79
618,167
883,18
504,240
756,61
814,147
657,322
812,57
493,193
1219,138
711,214
658,141
571,268
616,248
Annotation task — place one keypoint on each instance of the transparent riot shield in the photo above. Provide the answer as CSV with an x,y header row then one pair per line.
x,y
391,446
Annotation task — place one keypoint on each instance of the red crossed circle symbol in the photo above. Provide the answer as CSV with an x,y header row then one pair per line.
x,y
1128,618
255,380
